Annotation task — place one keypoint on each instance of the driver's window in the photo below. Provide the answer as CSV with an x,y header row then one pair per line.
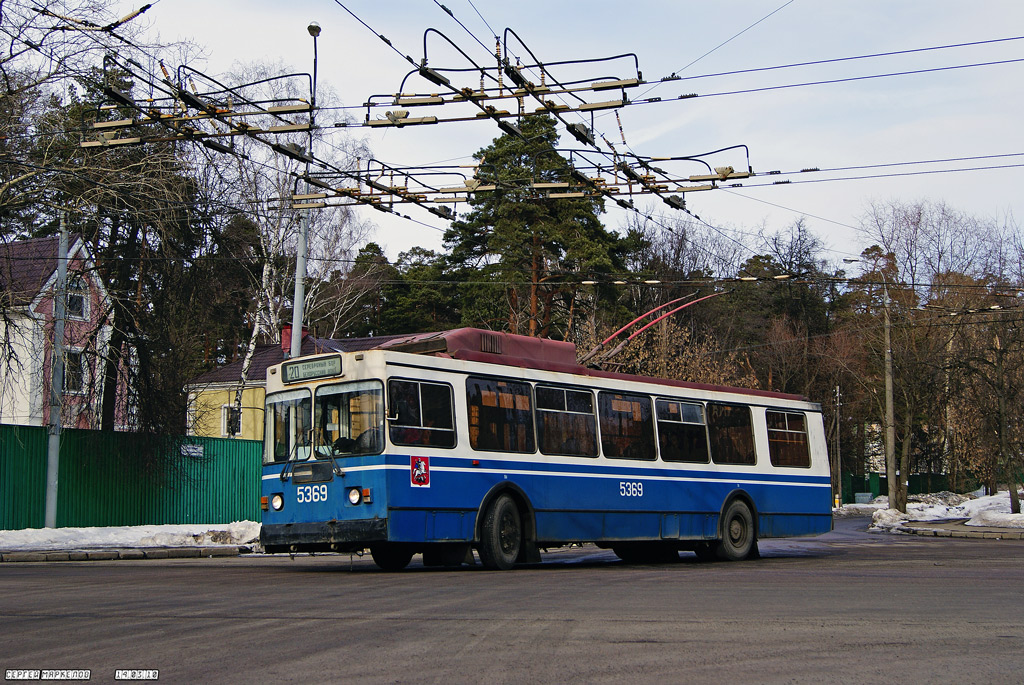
x,y
349,419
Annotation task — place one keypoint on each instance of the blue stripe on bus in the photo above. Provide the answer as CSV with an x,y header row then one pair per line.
x,y
572,501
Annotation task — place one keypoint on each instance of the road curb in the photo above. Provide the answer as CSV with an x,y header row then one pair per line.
x,y
125,554
959,530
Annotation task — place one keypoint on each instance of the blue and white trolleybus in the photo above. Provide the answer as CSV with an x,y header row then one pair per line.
x,y
445,443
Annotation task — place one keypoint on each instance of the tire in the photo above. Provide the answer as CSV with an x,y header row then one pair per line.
x,y
502,535
646,553
391,557
738,537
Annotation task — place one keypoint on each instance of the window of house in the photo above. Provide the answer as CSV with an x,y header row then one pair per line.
x,y
420,413
682,435
787,439
627,426
77,298
500,415
731,434
74,371
230,420
566,424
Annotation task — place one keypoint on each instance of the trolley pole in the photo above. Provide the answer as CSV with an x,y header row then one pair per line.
x,y
56,378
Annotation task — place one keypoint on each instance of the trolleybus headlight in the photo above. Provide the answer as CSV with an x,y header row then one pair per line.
x,y
355,496
277,502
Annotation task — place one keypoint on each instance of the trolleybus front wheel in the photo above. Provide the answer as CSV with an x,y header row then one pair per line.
x,y
737,532
502,534
390,557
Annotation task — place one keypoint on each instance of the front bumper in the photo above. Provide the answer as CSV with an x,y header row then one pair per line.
x,y
323,536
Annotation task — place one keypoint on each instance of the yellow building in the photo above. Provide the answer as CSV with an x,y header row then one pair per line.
x,y
212,406
212,411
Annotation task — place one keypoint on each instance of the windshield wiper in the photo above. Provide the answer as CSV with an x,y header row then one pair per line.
x,y
286,471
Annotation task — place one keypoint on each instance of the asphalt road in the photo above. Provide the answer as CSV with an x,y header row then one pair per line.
x,y
845,607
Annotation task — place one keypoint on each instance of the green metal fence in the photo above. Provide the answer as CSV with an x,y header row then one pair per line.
x,y
124,479
920,483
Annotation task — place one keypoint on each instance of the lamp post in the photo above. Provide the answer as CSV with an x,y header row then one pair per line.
x,y
298,304
890,423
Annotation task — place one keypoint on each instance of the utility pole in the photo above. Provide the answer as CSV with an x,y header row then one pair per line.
x,y
56,378
303,246
890,422
890,428
838,467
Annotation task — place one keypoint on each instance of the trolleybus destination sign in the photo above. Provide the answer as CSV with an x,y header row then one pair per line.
x,y
294,372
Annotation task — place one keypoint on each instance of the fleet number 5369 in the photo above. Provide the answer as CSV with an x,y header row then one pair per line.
x,y
311,493
629,488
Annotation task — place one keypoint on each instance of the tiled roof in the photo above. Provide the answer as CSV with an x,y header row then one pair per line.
x,y
25,266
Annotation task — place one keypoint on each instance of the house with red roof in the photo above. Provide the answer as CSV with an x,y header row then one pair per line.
x,y
28,282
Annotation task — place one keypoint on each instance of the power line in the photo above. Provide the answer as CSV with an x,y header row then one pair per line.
x,y
841,59
383,38
874,176
839,80
723,43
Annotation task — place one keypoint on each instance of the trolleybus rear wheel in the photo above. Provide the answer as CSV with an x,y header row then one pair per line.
x,y
737,532
391,557
502,534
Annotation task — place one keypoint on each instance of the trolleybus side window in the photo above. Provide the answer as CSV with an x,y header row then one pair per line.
x,y
682,435
731,433
565,422
500,415
349,419
627,427
288,427
420,413
787,439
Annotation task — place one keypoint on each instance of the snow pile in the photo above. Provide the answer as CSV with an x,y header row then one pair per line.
x,y
186,535
993,510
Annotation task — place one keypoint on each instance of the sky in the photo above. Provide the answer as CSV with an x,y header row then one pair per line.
x,y
943,114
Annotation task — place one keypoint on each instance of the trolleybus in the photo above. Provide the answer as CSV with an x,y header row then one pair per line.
x,y
465,440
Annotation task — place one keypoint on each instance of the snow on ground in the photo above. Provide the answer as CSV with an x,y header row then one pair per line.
x,y
187,535
979,510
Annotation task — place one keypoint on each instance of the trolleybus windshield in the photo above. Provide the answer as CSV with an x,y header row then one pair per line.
x,y
349,419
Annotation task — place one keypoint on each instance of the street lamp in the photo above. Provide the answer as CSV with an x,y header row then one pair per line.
x,y
890,423
302,249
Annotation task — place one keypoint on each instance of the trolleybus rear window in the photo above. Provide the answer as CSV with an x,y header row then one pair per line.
x,y
627,427
420,413
731,433
500,415
681,432
565,422
787,439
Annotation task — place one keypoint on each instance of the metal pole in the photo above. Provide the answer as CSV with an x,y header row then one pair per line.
x,y
56,378
300,287
303,247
